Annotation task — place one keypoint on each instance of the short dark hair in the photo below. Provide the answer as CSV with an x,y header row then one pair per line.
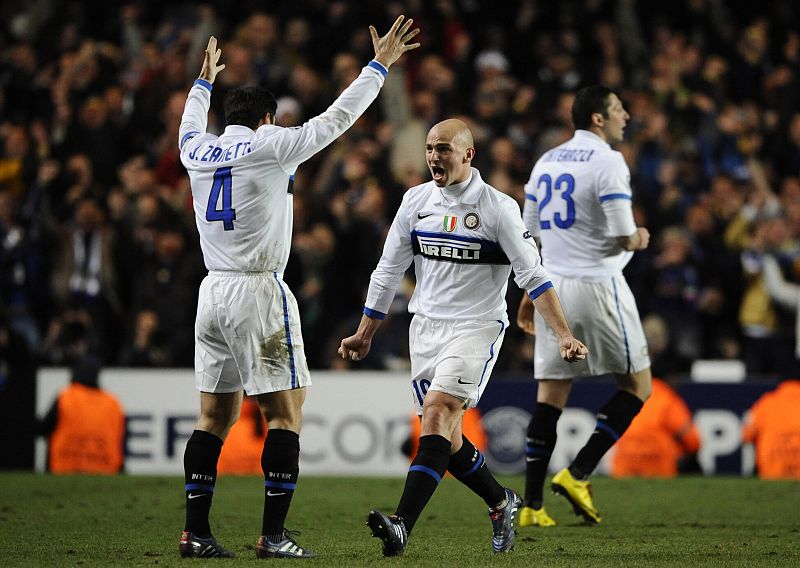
x,y
588,101
248,105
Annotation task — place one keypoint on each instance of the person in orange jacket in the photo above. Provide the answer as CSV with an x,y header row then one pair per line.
x,y
86,425
660,439
241,453
773,425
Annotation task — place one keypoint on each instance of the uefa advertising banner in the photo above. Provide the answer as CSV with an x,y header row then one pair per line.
x,y
356,422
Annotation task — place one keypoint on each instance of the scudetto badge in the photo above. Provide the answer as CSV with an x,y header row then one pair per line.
x,y
472,221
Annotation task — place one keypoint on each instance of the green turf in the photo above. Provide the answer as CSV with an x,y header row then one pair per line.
x,y
99,521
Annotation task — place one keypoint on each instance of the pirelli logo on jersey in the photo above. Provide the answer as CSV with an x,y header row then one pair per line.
x,y
446,247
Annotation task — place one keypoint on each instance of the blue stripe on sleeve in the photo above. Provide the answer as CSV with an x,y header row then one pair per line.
x,y
610,196
535,293
203,83
378,67
375,314
531,197
188,136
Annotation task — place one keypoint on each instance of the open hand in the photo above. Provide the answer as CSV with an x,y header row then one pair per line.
x,y
210,68
390,47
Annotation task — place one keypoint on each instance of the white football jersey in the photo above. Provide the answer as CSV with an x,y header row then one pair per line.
x,y
463,248
242,181
571,190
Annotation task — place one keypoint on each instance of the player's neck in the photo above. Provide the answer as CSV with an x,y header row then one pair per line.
x,y
599,133
457,188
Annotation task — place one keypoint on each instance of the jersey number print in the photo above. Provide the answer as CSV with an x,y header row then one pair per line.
x,y
222,184
564,183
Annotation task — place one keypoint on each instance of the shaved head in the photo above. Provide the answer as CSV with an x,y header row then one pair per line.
x,y
457,131
449,150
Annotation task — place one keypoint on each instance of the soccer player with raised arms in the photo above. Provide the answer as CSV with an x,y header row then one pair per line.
x,y
464,238
578,203
247,332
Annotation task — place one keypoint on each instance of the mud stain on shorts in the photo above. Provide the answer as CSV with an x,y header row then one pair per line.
x,y
274,353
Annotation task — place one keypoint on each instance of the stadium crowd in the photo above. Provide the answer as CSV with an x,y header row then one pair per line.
x,y
99,252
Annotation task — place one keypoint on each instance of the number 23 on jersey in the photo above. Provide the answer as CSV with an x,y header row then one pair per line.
x,y
565,185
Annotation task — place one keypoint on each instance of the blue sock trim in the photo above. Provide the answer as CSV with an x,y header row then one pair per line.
x,y
537,451
424,469
478,464
608,430
199,487
279,485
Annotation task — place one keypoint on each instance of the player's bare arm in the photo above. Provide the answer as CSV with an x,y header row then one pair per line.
x,y
390,47
210,62
525,315
639,240
357,345
550,307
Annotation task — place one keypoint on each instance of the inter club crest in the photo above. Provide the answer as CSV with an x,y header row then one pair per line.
x,y
449,223
472,221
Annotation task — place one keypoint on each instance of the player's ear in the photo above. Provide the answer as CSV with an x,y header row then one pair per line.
x,y
598,119
470,155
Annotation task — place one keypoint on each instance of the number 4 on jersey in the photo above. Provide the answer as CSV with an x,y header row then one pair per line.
x,y
222,184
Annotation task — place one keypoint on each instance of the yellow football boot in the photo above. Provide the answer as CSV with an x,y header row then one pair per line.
x,y
529,517
578,493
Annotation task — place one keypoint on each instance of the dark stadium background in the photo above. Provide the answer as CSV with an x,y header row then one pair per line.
x,y
91,95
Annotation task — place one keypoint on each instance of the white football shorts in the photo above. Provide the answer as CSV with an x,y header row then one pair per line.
x,y
603,315
247,335
451,356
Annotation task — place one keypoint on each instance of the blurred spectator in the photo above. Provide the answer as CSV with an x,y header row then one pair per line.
x,y
773,426
85,276
661,441
88,112
86,425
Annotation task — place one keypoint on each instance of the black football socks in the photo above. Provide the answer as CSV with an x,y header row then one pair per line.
x,y
200,471
469,467
423,477
279,461
539,444
612,421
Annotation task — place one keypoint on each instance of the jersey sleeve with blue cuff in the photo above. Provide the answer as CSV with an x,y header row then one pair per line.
x,y
520,248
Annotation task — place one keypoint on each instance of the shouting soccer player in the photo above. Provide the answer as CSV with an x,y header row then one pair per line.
x,y
464,237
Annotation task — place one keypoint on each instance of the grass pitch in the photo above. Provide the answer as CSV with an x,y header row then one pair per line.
x,y
136,521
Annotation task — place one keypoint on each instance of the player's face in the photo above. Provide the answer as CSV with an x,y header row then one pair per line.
x,y
614,125
448,161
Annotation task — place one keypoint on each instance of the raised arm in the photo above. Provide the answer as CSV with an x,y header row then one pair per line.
x,y
195,114
297,145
